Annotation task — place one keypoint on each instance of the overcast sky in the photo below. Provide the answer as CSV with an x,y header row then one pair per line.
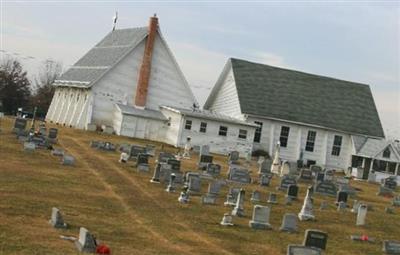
x,y
356,41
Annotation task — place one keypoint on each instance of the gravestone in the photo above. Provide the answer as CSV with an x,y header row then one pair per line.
x,y
106,146
260,219
204,160
326,188
390,183
142,162
86,241
265,180
315,168
124,157
211,196
163,157
348,189
329,175
57,152
227,220
289,223
389,210
57,220
356,204
285,168
184,196
171,185
232,196
194,184
315,238
396,201
391,247
361,215
341,206
272,198
305,175
233,157
238,210
341,197
286,181
150,150
255,196
157,174
205,150
320,177
241,175
306,212
53,133
383,191
136,150
175,165
302,250
29,146
292,191
265,167
125,147
20,124
68,160
213,169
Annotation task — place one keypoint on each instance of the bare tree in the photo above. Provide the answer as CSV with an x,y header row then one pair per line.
x,y
43,88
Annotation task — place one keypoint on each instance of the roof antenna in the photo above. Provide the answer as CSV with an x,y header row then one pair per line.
x,y
115,20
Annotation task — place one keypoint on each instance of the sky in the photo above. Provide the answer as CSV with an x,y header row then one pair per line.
x,y
351,40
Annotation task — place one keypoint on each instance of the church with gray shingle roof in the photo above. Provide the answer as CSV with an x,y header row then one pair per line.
x,y
131,83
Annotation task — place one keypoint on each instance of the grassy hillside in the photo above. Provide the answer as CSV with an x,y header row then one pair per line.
x,y
133,216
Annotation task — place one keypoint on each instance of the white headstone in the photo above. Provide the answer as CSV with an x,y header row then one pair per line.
x,y
260,218
361,215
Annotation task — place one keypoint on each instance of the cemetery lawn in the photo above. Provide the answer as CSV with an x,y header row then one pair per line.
x,y
133,216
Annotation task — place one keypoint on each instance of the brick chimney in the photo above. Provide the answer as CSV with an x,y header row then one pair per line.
x,y
145,68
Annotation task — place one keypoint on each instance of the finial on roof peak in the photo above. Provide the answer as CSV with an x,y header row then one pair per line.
x,y
155,15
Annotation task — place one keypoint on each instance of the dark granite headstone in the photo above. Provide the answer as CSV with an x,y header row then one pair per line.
x,y
390,183
305,175
292,191
341,197
326,188
286,181
315,238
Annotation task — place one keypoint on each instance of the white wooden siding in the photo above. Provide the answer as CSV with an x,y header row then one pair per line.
x,y
167,84
226,100
117,86
322,153
218,144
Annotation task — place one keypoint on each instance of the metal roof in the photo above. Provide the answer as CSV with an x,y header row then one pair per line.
x,y
102,57
145,113
205,114
372,147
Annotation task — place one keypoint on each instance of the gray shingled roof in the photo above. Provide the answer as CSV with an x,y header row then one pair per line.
x,y
146,113
274,92
108,52
374,146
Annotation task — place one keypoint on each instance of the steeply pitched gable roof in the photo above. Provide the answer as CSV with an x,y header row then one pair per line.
x,y
284,94
102,57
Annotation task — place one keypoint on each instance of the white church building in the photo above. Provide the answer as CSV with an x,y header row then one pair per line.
x,y
131,81
315,118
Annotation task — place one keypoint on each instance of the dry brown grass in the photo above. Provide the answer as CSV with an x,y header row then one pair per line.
x,y
133,216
